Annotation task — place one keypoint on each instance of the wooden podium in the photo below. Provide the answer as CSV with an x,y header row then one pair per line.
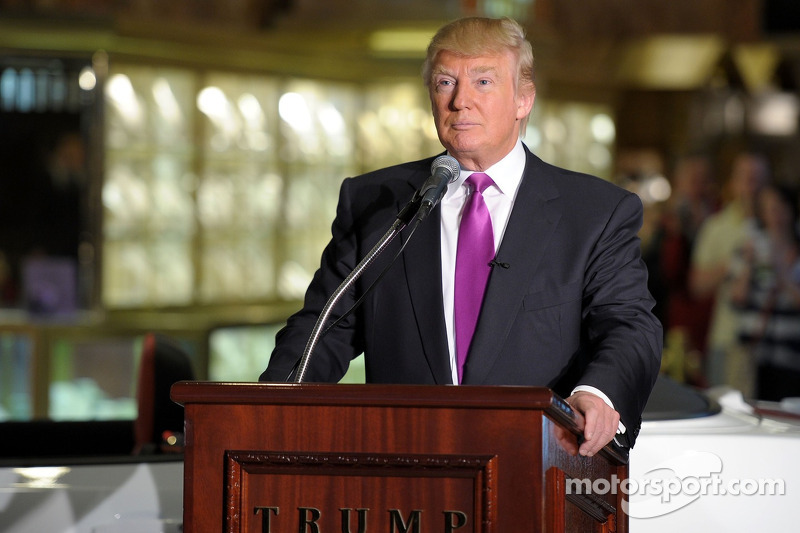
x,y
288,458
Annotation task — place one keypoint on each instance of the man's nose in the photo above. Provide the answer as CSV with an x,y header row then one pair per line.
x,y
462,97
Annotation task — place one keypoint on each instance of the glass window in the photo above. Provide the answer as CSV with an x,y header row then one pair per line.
x,y
148,193
16,361
574,135
93,379
241,353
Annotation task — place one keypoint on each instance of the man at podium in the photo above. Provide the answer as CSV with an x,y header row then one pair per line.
x,y
522,274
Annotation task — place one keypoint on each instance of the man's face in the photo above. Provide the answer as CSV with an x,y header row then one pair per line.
x,y
749,175
476,106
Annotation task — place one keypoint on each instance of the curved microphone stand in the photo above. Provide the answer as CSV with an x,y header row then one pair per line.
x,y
402,220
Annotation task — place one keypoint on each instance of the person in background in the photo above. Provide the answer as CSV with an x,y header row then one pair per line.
x,y
565,301
710,275
693,200
766,290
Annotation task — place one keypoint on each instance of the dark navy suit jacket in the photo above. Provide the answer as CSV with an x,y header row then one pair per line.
x,y
569,306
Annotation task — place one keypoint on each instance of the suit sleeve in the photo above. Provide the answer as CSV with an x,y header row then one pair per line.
x,y
331,357
624,337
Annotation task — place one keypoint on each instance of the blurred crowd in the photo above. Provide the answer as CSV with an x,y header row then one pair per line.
x,y
724,266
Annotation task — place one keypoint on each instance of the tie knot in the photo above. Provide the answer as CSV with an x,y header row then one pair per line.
x,y
480,181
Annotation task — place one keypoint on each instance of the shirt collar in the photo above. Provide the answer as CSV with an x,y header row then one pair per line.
x,y
506,173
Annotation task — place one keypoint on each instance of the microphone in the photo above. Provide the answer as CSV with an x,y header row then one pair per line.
x,y
444,169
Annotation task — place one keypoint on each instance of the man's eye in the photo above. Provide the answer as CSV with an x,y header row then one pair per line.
x,y
484,82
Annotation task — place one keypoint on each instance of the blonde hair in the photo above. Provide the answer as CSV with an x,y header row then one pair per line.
x,y
474,36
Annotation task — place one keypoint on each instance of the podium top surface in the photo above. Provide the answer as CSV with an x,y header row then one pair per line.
x,y
464,396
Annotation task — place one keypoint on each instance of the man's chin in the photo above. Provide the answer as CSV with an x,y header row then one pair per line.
x,y
462,147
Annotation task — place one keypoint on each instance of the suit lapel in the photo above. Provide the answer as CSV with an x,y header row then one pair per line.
x,y
536,212
423,266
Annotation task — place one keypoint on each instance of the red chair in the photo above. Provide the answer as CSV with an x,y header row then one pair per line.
x,y
159,424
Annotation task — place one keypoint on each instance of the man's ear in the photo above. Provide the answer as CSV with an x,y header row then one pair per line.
x,y
525,101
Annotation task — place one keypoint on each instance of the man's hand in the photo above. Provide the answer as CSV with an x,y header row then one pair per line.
x,y
601,421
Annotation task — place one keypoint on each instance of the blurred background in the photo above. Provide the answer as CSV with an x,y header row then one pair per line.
x,y
174,166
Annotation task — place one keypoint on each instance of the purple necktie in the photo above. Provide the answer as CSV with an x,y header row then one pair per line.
x,y
475,251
